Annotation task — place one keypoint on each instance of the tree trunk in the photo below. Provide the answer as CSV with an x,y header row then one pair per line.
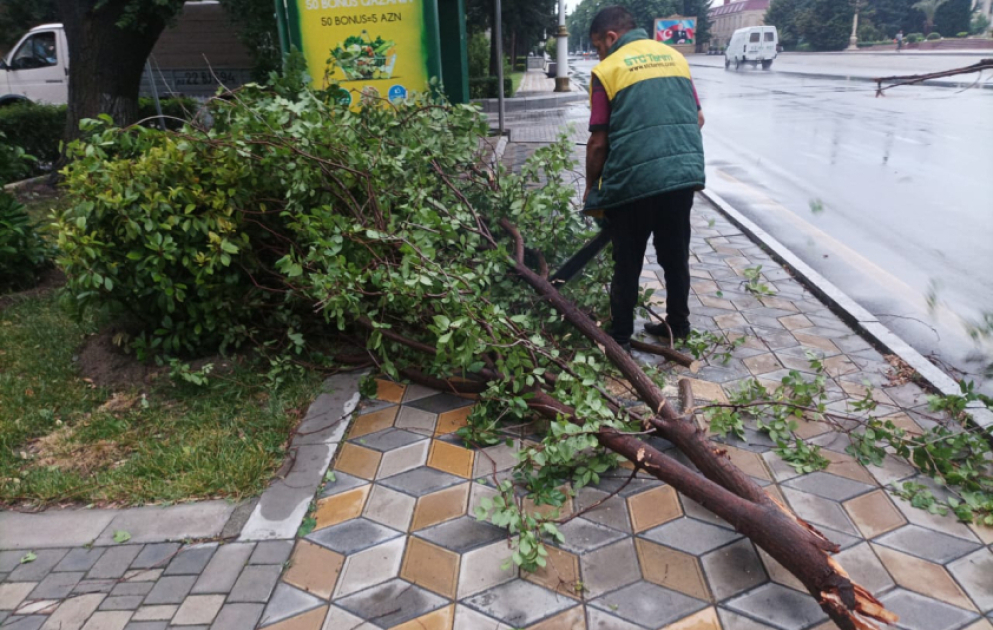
x,y
513,51
105,60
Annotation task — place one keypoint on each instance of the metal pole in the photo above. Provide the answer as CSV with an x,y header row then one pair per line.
x,y
562,53
284,40
155,94
498,33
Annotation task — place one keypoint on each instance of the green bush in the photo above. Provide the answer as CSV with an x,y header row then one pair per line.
x,y
22,252
804,47
962,35
34,127
486,87
479,56
913,38
933,36
179,108
14,164
980,24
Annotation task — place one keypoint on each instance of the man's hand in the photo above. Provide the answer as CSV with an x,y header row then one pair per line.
x,y
597,149
699,118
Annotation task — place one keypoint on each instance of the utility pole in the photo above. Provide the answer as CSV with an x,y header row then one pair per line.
x,y
498,33
562,53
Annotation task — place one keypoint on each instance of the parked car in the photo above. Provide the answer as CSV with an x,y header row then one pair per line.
x,y
752,45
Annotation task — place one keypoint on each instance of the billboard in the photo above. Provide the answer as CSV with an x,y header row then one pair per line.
x,y
676,30
371,48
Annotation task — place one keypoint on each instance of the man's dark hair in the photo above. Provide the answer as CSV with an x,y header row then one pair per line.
x,y
615,18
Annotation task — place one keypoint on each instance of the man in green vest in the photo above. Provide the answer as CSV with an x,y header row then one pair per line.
x,y
644,161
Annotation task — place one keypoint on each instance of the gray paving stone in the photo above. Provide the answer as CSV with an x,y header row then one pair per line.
x,y
224,567
37,569
440,403
420,481
114,562
94,586
80,559
691,536
73,612
146,625
582,535
160,612
865,568
342,483
975,573
462,534
733,569
237,617
819,511
830,486
272,551
156,555
779,606
352,536
10,560
255,583
125,602
612,513
288,601
391,604
923,613
55,528
609,568
734,621
519,603
24,622
108,620
132,588
648,605
57,585
613,482
171,590
191,560
389,439
3,616
204,519
928,544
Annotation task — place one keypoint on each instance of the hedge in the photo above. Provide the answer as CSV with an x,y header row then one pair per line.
x,y
38,128
486,87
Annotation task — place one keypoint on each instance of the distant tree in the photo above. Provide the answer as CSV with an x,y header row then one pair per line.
x,y
17,16
953,17
929,8
700,9
525,22
257,30
891,16
825,24
782,14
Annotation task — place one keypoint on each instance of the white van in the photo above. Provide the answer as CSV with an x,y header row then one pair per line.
x,y
37,68
754,45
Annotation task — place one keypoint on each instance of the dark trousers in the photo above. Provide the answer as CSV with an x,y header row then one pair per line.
x,y
666,218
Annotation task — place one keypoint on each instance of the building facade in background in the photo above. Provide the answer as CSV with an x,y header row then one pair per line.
x,y
725,19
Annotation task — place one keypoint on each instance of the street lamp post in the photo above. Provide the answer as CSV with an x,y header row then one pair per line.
x,y
562,53
854,39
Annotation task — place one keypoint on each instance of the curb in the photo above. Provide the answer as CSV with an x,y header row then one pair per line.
x,y
864,322
846,77
530,103
24,182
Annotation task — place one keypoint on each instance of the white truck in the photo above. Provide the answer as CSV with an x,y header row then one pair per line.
x,y
190,59
752,45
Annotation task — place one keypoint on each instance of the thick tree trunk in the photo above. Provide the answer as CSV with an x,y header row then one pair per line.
x,y
106,60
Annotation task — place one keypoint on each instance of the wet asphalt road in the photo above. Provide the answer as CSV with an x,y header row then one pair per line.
x,y
889,198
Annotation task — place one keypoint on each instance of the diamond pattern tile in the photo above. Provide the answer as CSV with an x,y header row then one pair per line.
x,y
352,536
927,544
779,607
391,604
690,535
830,486
582,535
462,534
648,605
440,403
519,603
421,481
388,439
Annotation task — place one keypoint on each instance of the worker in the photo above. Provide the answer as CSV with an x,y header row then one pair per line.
x,y
644,162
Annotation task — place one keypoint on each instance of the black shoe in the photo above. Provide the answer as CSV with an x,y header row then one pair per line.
x,y
661,330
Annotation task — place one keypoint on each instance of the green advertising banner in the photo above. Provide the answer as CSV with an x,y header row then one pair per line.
x,y
376,48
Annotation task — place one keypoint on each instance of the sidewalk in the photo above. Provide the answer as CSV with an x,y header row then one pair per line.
x,y
537,92
393,544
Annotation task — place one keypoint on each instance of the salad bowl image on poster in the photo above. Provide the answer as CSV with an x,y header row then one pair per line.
x,y
372,49
676,30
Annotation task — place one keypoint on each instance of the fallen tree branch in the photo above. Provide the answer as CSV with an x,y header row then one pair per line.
x,y
984,64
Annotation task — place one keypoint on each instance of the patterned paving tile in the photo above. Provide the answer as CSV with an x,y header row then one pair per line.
x,y
420,481
928,544
391,604
609,568
519,603
778,606
648,605
352,536
287,602
923,577
371,566
918,612
440,403
874,514
582,535
388,439
440,506
830,486
462,534
690,535
672,569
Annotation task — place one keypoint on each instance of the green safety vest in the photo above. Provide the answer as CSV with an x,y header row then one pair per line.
x,y
655,141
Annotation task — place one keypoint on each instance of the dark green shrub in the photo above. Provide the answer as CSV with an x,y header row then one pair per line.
x,y
933,36
176,110
14,164
479,56
962,35
34,127
486,87
804,47
22,252
913,38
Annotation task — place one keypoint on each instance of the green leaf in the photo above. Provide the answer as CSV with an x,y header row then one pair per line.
x,y
29,557
121,536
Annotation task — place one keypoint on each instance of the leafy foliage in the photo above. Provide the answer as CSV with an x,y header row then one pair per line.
x,y
258,31
17,17
22,251
36,128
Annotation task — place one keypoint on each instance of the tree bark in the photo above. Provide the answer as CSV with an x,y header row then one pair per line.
x,y
106,60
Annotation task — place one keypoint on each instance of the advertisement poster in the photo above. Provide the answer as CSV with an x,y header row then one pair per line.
x,y
375,49
676,30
